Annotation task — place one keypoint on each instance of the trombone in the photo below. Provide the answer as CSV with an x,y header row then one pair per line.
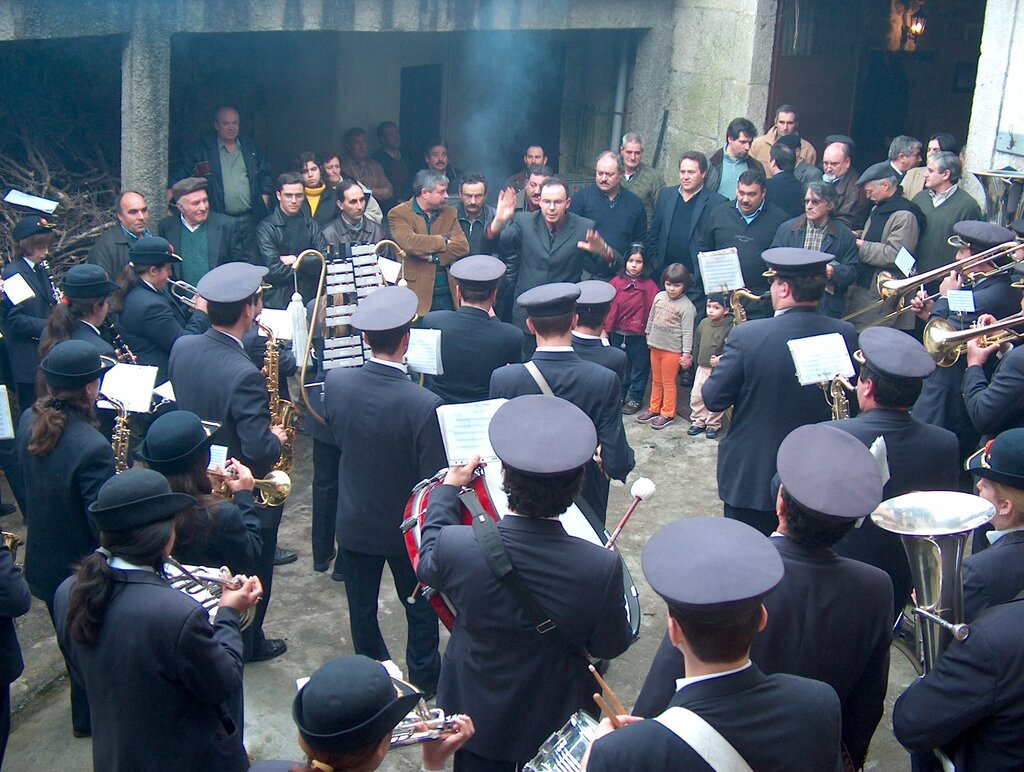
x,y
946,344
183,292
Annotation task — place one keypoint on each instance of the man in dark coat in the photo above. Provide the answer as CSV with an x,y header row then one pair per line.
x,y
110,250
386,429
830,618
555,369
500,664
592,307
757,721
214,377
783,189
853,206
755,376
15,601
473,342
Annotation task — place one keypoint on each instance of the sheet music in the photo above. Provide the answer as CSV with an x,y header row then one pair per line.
x,y
390,269
961,300
165,391
19,198
424,354
6,421
821,358
720,270
464,430
279,320
131,385
905,261
218,456
881,453
17,289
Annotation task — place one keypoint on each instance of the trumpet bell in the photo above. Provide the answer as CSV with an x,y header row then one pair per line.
x,y
937,342
274,489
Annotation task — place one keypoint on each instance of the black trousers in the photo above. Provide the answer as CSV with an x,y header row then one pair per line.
x,y
325,499
362,587
270,521
467,761
12,470
763,520
81,721
5,719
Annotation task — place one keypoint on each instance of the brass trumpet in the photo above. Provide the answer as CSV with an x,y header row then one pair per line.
x,y
183,292
946,344
274,489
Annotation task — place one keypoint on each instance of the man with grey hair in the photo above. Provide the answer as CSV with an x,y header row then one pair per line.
x,y
944,204
617,213
893,223
639,177
904,155
429,232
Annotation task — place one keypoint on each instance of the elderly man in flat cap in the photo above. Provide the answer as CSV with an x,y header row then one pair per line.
x,y
726,713
203,238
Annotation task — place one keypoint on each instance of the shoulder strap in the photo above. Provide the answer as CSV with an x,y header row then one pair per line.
x,y
539,379
704,739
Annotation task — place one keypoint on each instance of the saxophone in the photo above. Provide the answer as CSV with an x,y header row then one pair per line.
x,y
739,313
282,411
120,441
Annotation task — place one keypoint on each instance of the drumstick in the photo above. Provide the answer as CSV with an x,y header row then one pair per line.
x,y
608,692
616,724
642,490
411,600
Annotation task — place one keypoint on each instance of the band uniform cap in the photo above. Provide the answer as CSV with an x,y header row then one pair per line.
x,y
829,472
135,498
87,281
979,235
1001,460
30,225
789,140
477,269
186,186
549,299
175,440
152,250
840,138
231,282
880,171
795,261
388,308
595,293
74,363
542,435
351,702
892,352
711,568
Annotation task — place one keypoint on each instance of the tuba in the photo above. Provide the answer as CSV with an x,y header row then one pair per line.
x,y
120,441
1003,195
282,411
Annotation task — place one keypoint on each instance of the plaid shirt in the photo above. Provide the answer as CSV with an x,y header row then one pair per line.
x,y
815,236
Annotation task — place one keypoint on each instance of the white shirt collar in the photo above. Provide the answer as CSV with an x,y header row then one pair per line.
x,y
90,324
124,565
585,335
682,683
236,340
554,348
191,228
389,363
994,536
938,199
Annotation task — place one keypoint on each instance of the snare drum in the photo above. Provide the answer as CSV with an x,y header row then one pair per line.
x,y
564,750
488,488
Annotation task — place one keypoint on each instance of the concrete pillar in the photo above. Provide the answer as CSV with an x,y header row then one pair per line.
x,y
145,114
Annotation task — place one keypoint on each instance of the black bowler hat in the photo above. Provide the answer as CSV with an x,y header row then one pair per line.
x,y
176,440
74,363
152,250
136,498
483,270
711,568
794,261
87,281
829,472
1001,460
387,308
231,282
542,435
594,294
882,170
549,299
892,352
30,226
351,702
978,235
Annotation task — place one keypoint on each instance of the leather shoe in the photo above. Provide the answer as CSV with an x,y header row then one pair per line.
x,y
711,433
321,567
283,557
271,649
694,430
7,509
337,574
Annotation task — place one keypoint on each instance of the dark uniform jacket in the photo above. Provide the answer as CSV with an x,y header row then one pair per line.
x,y
659,251
473,345
223,238
995,406
111,251
151,321
598,351
757,375
520,685
15,600
973,699
84,331
158,677
272,241
229,536
387,431
920,457
203,160
214,378
775,722
994,576
24,323
831,620
785,191
61,530
837,241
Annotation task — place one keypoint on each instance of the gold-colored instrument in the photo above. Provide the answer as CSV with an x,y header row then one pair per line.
x,y
314,321
739,313
12,541
205,585
946,344
183,292
272,490
835,395
1004,195
282,413
120,441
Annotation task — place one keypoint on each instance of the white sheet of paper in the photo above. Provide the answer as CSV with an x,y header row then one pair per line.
x,y
218,456
17,289
131,385
905,261
18,198
881,453
391,269
165,391
820,358
6,421
464,430
720,270
961,300
279,320
424,354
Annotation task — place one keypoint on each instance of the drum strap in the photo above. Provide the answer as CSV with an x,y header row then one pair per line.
x,y
538,378
706,741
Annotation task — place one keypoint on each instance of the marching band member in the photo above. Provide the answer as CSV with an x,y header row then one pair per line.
x,y
87,293
64,460
15,600
158,673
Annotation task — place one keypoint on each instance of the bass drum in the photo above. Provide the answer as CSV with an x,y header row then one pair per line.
x,y
492,498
